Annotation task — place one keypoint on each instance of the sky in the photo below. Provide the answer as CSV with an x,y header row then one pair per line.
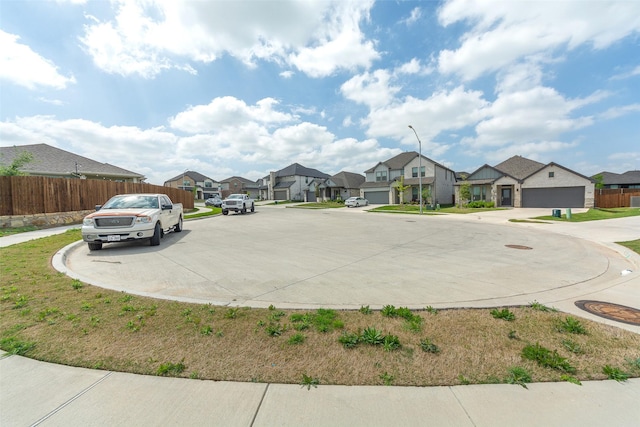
x,y
241,88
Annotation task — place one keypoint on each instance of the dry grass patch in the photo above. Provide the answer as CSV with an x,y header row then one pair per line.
x,y
48,316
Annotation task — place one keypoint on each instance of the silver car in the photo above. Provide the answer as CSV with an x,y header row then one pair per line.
x,y
356,202
214,201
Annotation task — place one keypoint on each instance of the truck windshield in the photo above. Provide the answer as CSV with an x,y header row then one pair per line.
x,y
132,202
235,196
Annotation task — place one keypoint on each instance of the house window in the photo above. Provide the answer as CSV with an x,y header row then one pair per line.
x,y
479,193
381,176
186,183
551,174
208,184
414,172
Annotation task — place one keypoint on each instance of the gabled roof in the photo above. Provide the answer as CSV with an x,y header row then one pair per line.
x,y
196,176
247,182
401,160
48,160
348,179
629,177
297,169
519,167
561,167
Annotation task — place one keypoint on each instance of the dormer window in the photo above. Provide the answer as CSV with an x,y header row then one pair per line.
x,y
551,174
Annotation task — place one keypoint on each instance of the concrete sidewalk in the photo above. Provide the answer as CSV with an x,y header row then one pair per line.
x,y
39,393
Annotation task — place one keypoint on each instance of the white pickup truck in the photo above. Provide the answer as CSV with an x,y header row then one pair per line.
x,y
132,217
238,203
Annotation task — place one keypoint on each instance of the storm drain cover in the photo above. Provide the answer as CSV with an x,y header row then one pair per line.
x,y
611,311
518,247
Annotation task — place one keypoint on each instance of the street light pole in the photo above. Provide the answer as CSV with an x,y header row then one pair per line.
x,y
419,167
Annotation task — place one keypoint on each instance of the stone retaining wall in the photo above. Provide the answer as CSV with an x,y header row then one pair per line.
x,y
44,220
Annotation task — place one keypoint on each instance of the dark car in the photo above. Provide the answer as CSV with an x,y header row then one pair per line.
x,y
214,201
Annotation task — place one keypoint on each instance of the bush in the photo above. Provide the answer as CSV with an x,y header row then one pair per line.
x,y
480,204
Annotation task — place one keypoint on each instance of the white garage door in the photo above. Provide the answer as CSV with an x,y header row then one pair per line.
x,y
561,197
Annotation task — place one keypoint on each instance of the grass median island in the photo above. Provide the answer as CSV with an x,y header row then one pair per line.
x,y
444,209
48,316
594,214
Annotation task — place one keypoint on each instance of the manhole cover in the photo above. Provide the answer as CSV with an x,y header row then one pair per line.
x,y
611,311
518,247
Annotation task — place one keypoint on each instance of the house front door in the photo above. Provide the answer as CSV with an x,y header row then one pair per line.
x,y
506,196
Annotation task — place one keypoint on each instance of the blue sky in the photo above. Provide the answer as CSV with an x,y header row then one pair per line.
x,y
246,87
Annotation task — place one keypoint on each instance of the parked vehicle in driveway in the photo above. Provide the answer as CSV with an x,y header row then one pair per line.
x,y
132,217
214,201
238,203
356,202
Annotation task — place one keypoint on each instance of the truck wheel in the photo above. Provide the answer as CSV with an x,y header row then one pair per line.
x,y
243,210
178,227
157,233
253,208
95,246
225,212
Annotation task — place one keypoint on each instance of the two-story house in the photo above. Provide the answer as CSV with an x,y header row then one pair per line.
x,y
295,182
437,181
239,185
202,186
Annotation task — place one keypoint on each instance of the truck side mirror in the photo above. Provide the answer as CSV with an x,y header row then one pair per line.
x,y
98,207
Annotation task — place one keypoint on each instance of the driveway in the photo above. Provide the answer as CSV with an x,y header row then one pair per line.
x,y
347,258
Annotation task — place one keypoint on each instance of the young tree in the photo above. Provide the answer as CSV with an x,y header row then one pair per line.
x,y
465,192
21,159
399,185
599,179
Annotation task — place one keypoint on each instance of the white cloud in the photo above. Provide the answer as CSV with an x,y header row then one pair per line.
x,y
628,74
20,65
146,37
228,112
620,111
503,32
443,110
371,89
416,14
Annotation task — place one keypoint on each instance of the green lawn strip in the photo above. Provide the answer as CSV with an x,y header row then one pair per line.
x,y
202,212
48,316
634,245
413,209
319,205
595,214
15,230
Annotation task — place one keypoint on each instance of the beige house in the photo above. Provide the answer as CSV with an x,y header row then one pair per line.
x,y
202,186
380,186
523,183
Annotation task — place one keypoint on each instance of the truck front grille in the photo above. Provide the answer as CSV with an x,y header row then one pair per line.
x,y
114,222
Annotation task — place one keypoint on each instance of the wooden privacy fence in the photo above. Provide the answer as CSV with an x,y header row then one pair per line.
x,y
29,195
615,197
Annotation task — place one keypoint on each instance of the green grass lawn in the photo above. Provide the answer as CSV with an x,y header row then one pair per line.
x,y
202,212
413,209
320,205
634,245
595,215
16,230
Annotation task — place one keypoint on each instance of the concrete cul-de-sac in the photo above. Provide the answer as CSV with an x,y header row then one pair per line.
x,y
347,258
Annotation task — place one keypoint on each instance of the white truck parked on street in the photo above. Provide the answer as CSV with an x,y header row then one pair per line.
x,y
238,203
132,217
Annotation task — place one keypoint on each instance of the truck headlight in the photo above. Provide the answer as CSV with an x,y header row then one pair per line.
x,y
87,221
143,220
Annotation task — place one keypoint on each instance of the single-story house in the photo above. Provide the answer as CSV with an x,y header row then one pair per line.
x,y
340,186
437,181
57,163
523,183
629,179
204,186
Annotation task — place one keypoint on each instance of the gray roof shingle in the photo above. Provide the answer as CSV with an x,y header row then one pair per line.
x,y
48,160
519,167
